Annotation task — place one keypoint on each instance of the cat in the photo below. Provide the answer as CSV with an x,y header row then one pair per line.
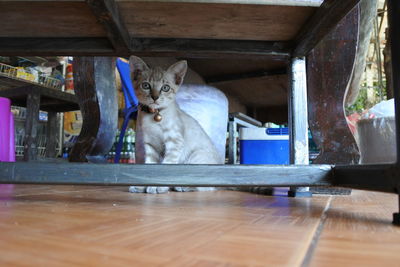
x,y
164,133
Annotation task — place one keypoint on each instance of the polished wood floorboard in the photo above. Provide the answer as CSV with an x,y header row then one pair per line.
x,y
107,226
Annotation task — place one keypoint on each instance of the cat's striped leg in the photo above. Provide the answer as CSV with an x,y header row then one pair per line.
x,y
151,156
198,157
173,150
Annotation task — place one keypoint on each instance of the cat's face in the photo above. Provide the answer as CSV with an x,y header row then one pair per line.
x,y
156,87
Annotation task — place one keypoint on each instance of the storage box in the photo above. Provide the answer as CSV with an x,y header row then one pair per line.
x,y
264,145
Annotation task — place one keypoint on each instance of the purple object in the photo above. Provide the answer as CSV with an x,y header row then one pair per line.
x,y
12,139
5,132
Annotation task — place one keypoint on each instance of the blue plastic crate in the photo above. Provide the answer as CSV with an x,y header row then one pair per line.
x,y
264,146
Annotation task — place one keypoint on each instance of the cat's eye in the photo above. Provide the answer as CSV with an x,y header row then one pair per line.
x,y
165,88
146,86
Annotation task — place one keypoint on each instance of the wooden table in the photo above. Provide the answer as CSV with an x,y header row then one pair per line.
x,y
37,97
290,31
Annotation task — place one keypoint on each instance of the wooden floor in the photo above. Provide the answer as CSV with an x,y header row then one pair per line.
x,y
107,226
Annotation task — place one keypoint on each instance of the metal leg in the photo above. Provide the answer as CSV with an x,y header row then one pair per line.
x,y
298,121
232,128
394,31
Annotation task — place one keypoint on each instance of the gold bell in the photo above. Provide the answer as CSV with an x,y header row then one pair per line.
x,y
157,117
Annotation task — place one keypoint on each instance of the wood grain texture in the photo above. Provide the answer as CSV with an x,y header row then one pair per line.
x,y
50,99
321,24
211,67
380,177
103,226
213,21
207,48
357,232
107,14
95,88
51,134
313,3
31,125
172,175
330,67
28,46
394,31
242,76
109,226
267,91
48,19
172,47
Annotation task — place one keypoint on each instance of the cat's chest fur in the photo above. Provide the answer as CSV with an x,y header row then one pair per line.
x,y
176,132
157,133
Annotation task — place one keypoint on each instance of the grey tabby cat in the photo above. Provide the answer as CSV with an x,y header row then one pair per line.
x,y
164,133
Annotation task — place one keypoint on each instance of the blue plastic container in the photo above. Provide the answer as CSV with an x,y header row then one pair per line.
x,y
264,146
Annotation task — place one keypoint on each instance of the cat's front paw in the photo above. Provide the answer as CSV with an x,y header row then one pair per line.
x,y
149,189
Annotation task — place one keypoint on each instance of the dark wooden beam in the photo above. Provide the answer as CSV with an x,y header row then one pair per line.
x,y
107,13
51,135
187,48
202,48
330,68
94,83
275,114
63,101
172,175
394,29
10,46
378,177
242,76
324,20
31,124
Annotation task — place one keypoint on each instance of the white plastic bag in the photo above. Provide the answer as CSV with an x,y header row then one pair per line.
x,y
377,134
209,106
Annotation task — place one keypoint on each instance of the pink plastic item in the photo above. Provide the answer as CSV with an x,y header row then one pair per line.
x,y
12,139
5,132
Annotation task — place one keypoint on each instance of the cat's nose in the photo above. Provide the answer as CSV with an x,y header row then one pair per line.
x,y
155,97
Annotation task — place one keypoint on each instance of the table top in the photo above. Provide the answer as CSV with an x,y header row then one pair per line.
x,y
75,27
256,38
216,19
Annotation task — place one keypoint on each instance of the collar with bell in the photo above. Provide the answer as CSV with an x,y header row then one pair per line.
x,y
157,116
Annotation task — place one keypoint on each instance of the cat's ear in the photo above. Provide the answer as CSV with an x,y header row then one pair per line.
x,y
137,66
178,71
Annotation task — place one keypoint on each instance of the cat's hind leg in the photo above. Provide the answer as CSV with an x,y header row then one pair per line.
x,y
199,157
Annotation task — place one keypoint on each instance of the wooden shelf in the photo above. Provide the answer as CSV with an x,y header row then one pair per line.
x,y
51,99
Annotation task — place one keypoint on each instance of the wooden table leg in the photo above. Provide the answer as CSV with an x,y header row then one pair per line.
x,y
94,83
329,69
51,135
394,28
31,124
